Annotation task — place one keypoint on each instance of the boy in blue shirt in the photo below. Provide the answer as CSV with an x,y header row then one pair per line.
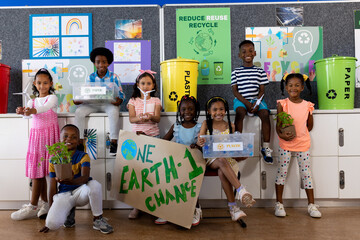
x,y
80,190
248,86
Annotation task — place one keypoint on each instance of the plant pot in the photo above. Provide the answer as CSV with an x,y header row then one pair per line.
x,y
63,171
289,129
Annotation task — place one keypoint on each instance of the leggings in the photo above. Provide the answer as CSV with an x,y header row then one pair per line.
x,y
303,159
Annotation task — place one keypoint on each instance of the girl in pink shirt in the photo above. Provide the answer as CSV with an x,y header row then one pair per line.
x,y
297,144
144,110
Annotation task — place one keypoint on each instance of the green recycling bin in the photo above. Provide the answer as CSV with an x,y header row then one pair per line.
x,y
336,82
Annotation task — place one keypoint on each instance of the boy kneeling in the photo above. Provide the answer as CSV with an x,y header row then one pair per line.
x,y
77,191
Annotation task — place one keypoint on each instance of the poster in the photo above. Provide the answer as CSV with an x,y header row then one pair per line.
x,y
286,49
63,71
203,34
90,145
289,16
129,57
60,35
357,47
128,28
160,177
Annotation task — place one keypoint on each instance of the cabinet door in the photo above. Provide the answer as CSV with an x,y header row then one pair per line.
x,y
13,183
250,175
97,172
324,135
350,167
349,123
324,171
14,138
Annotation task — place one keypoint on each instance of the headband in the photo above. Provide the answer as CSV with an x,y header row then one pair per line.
x,y
145,71
304,76
222,99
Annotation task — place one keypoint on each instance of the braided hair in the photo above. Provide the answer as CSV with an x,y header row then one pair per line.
x,y
187,98
209,121
303,79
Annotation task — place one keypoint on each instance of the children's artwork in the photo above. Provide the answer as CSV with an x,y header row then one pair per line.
x,y
64,72
357,46
75,46
129,57
60,35
45,47
289,16
286,49
90,137
204,34
160,177
128,28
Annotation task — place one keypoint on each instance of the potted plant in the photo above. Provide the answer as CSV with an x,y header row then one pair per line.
x,y
61,158
285,122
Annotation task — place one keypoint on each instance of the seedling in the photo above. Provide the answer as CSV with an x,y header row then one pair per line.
x,y
284,119
59,153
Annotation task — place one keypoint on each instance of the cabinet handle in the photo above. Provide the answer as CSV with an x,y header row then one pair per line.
x,y
342,179
341,137
108,181
263,180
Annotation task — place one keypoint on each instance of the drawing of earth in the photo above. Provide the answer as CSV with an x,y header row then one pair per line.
x,y
203,42
129,149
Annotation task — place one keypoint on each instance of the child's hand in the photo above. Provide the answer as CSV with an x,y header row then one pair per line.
x,y
45,229
20,110
117,102
287,136
140,133
239,159
28,111
77,102
312,75
200,141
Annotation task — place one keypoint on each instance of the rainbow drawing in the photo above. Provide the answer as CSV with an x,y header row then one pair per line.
x,y
72,24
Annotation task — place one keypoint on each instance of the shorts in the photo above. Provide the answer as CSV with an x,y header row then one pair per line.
x,y
238,103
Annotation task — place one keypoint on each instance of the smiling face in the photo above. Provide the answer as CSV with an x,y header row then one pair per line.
x,y
217,111
294,87
101,64
187,111
247,54
70,136
43,84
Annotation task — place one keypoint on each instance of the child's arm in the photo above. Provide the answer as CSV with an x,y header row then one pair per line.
x,y
117,102
132,115
170,134
241,98
310,122
203,129
20,110
286,136
83,179
261,93
156,117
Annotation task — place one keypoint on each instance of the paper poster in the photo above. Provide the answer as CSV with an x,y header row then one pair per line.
x,y
60,35
90,137
290,16
64,72
203,34
129,57
160,177
129,28
286,49
357,47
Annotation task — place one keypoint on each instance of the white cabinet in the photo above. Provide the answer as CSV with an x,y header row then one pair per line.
x,y
349,168
14,138
250,175
324,135
348,125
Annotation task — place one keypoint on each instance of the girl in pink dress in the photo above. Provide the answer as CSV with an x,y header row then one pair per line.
x,y
44,131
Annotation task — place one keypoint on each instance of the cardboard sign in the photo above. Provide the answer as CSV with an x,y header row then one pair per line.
x,y
159,177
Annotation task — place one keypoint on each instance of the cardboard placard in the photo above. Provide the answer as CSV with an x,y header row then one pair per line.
x,y
159,177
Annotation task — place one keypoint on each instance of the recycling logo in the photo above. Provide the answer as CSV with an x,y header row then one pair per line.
x,y
331,94
173,96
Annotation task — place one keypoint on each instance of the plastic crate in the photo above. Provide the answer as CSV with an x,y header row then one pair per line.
x,y
95,92
229,145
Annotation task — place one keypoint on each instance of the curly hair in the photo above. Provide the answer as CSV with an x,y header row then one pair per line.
x,y
187,98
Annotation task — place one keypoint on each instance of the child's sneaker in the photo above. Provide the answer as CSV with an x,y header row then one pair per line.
x,y
266,152
160,221
113,148
279,210
134,213
70,220
197,216
25,212
245,197
236,213
43,210
314,211
102,225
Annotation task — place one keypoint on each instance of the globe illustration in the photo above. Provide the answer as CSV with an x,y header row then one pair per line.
x,y
128,149
203,42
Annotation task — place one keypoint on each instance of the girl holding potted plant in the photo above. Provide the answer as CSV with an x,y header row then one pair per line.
x,y
297,144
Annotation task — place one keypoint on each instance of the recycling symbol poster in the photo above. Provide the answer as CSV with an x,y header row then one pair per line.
x,y
204,34
286,49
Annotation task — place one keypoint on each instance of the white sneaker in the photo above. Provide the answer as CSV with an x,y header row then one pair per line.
x,y
245,197
314,211
279,210
160,221
236,213
43,210
25,212
197,216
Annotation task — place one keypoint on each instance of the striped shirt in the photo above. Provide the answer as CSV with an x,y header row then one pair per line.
x,y
248,80
149,128
109,77
78,160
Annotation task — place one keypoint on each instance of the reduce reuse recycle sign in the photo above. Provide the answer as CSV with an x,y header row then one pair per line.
x,y
160,177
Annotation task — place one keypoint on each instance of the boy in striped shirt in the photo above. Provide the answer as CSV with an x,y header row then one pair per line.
x,y
248,86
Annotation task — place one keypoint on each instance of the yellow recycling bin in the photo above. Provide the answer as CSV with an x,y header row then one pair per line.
x,y
179,78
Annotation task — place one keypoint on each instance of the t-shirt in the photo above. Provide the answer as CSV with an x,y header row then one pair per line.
x,y
300,113
248,80
149,128
78,160
186,136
